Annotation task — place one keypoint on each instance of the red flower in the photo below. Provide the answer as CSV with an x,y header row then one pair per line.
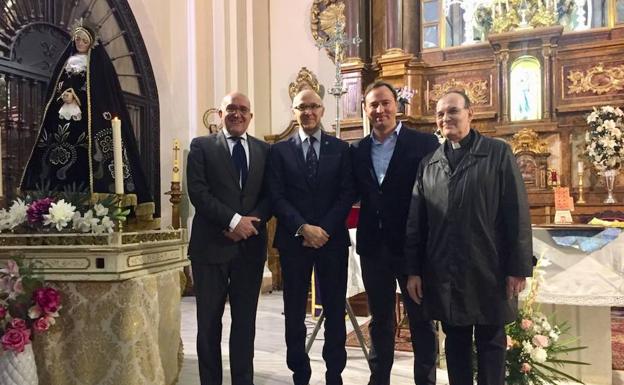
x,y
15,339
41,324
48,299
18,323
3,312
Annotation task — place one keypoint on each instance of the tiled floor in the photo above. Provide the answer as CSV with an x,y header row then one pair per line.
x,y
270,359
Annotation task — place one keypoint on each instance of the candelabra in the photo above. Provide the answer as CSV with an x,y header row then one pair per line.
x,y
338,43
580,199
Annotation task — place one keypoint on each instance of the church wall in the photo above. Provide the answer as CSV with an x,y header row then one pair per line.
x,y
292,47
178,39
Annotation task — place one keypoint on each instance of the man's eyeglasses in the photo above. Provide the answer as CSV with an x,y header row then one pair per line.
x,y
231,109
310,107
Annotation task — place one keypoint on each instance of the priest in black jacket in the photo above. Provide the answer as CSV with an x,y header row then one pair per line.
x,y
385,164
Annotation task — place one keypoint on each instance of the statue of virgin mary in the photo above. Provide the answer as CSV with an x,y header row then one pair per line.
x,y
74,147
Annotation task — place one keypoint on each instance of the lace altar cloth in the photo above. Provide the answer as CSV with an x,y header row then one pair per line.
x,y
577,278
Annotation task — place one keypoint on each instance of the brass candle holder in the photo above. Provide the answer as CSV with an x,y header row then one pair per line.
x,y
580,199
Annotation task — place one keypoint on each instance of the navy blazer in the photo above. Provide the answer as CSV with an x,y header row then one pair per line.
x,y
296,201
384,208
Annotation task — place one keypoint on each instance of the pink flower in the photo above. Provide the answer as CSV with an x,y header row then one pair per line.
x,y
526,324
38,209
510,343
3,312
18,286
11,269
525,368
15,339
18,323
41,325
541,341
48,299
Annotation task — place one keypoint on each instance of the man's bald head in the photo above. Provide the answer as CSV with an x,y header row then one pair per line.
x,y
236,113
308,110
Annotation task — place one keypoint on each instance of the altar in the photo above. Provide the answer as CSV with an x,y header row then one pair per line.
x,y
120,316
580,288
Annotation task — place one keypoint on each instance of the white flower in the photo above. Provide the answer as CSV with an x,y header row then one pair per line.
x,y
546,326
608,109
592,117
527,347
609,124
105,227
539,355
5,220
554,336
619,112
60,214
17,213
100,210
84,223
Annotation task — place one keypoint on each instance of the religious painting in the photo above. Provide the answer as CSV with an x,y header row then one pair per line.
x,y
525,89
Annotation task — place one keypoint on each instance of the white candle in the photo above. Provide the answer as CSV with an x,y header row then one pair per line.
x,y
117,156
176,162
580,166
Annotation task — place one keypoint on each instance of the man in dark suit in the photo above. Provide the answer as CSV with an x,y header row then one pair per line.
x,y
228,241
311,191
384,168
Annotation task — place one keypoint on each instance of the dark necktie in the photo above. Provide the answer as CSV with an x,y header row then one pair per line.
x,y
311,160
240,160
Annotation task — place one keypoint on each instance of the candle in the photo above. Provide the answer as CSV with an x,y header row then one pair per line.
x,y
580,166
117,156
493,9
176,162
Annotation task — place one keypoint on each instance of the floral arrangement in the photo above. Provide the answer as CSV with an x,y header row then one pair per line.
x,y
534,343
52,214
483,18
604,140
27,307
404,95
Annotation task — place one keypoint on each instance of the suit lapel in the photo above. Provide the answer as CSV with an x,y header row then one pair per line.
x,y
297,149
397,155
325,149
366,145
225,154
254,156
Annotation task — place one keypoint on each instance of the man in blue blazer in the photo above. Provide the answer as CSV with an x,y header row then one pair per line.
x,y
384,168
311,190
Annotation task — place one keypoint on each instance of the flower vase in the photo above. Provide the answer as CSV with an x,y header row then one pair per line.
x,y
18,368
609,184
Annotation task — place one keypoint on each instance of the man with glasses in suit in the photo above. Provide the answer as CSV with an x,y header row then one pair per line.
x,y
311,191
228,240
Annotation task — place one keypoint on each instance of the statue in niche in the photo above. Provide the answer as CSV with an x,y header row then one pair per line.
x,y
525,89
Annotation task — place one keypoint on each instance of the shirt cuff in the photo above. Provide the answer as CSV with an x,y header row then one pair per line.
x,y
234,221
299,232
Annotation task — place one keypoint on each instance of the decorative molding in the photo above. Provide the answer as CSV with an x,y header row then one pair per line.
x,y
527,140
323,18
305,79
62,263
152,258
477,90
599,80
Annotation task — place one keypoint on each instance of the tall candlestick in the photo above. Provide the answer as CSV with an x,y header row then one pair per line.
x,y
117,156
580,166
176,162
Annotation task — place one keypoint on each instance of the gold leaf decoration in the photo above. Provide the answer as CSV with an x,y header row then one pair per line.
x,y
599,80
527,140
305,80
476,90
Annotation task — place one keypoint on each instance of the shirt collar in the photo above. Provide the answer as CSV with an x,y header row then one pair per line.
x,y
228,135
395,133
303,136
464,143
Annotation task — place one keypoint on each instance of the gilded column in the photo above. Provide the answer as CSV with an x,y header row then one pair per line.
x,y
504,76
394,24
547,82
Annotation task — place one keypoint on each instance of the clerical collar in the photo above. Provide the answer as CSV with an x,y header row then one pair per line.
x,y
228,135
303,136
462,143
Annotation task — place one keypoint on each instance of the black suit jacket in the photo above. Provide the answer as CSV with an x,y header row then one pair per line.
x,y
295,201
384,208
215,193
